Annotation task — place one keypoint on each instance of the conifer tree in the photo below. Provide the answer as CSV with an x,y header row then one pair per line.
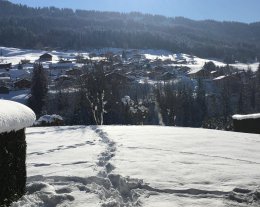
x,y
257,95
39,89
201,101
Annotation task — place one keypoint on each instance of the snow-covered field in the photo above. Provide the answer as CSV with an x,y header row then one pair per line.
x,y
193,62
147,166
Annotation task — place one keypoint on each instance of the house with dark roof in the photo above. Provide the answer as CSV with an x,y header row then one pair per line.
x,y
73,72
22,84
45,57
116,77
5,66
167,76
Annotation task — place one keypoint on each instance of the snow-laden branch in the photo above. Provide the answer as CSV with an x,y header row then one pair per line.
x,y
97,104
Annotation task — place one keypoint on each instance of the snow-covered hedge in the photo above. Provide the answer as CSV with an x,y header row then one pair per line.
x,y
14,117
49,120
248,116
249,123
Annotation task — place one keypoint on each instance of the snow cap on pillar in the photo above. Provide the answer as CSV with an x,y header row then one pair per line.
x,y
15,116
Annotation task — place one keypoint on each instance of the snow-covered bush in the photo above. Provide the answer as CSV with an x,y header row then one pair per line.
x,y
136,111
14,117
49,120
218,123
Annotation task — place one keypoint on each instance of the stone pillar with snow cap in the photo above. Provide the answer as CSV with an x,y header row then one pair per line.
x,y
14,118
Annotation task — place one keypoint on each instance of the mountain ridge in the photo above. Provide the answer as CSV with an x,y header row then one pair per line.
x,y
27,27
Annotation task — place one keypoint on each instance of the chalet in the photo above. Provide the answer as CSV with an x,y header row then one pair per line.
x,y
105,63
84,76
63,81
22,84
216,73
184,70
156,62
45,57
137,56
160,69
108,55
167,61
73,72
4,74
247,123
200,74
167,76
154,74
65,61
6,66
62,78
116,77
116,58
23,74
25,61
231,80
5,81
62,65
179,62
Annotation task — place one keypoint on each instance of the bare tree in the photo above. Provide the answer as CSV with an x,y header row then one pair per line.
x,y
96,94
97,103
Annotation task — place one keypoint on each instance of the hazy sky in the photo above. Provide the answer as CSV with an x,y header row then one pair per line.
x,y
232,10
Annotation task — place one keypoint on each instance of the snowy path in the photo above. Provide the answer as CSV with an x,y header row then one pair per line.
x,y
141,166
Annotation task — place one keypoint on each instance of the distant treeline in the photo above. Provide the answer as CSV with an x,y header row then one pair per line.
x,y
25,27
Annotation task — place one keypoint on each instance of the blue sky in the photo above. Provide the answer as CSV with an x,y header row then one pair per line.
x,y
231,10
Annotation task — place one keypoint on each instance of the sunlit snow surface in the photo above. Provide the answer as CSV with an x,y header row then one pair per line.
x,y
141,166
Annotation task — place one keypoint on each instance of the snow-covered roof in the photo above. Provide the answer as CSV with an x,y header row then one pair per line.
x,y
248,116
5,78
15,116
220,77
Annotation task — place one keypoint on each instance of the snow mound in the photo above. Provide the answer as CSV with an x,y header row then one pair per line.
x,y
248,116
15,116
127,100
48,119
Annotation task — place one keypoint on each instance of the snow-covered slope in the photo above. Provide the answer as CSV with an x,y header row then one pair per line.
x,y
193,62
141,166
15,55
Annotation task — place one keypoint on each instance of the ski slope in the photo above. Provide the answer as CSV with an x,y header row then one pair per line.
x,y
147,166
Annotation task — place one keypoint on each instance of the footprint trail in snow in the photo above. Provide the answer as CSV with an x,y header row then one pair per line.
x,y
140,166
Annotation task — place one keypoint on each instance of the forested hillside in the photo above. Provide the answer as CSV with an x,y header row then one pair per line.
x,y
25,27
